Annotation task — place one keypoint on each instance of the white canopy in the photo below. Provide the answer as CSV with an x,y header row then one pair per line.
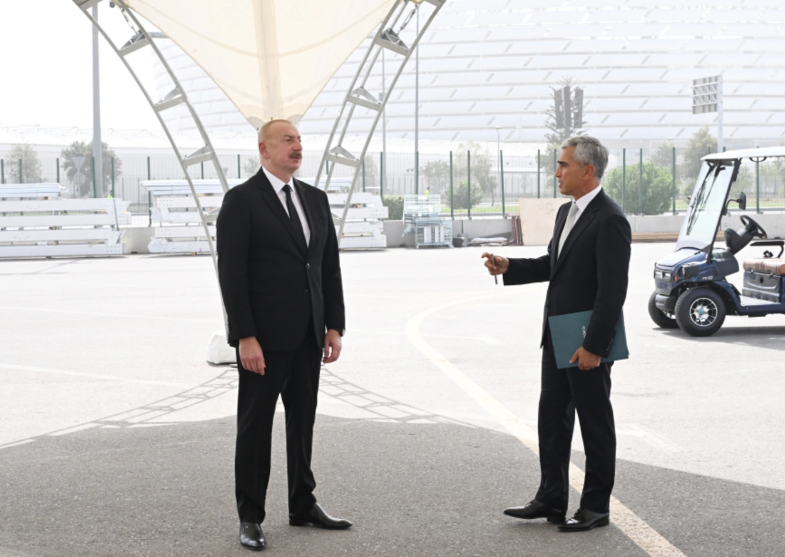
x,y
270,57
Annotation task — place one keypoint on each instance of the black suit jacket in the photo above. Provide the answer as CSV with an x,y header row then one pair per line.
x,y
271,283
591,272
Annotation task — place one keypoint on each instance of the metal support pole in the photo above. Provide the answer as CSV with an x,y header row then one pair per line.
x,y
21,179
623,176
95,187
416,172
149,209
98,156
57,167
2,171
452,206
469,185
148,168
719,114
381,176
538,173
757,186
555,164
640,185
673,176
112,177
239,175
501,163
202,167
363,175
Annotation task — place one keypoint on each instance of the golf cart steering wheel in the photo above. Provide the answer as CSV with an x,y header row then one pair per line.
x,y
753,227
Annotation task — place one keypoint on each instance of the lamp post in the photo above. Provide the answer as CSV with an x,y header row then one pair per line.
x,y
499,160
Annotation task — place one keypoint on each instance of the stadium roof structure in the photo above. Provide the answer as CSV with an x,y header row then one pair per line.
x,y
490,64
271,58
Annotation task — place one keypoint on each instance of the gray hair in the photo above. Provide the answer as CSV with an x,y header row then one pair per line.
x,y
589,150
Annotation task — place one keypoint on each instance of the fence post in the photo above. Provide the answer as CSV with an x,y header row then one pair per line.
x,y
363,165
2,171
149,209
381,175
416,172
501,162
538,173
57,165
239,176
452,210
469,185
623,176
673,175
555,163
148,168
757,186
113,177
21,179
201,164
640,185
95,187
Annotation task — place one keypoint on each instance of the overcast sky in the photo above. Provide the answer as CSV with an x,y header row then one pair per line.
x,y
46,68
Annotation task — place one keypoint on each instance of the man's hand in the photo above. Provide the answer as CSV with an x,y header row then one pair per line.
x,y
585,359
332,346
496,264
251,355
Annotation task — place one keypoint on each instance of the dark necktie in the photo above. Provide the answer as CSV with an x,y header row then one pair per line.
x,y
294,216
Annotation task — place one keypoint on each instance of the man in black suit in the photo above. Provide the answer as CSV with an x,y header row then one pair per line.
x,y
587,267
281,285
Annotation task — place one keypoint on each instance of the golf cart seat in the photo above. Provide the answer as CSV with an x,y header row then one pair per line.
x,y
737,241
771,265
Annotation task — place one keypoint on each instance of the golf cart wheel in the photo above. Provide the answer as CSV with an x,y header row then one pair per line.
x,y
700,312
660,318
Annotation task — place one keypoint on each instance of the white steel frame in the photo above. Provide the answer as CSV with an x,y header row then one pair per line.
x,y
357,95
141,39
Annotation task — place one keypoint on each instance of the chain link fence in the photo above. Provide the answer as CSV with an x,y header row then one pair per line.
x,y
473,184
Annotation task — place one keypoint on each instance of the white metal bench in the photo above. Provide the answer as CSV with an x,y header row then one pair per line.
x,y
61,227
363,229
31,191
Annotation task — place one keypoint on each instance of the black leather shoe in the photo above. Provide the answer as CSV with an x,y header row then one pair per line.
x,y
251,536
584,520
318,517
535,509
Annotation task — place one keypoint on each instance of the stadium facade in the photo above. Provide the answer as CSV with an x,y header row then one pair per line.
x,y
495,63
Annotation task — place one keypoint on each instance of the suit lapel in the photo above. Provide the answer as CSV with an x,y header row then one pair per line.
x,y
561,218
302,193
271,198
583,221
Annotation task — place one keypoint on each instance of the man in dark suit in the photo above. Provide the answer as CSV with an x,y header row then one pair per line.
x,y
587,267
281,285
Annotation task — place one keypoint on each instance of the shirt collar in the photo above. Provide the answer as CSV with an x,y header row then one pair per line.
x,y
584,201
276,182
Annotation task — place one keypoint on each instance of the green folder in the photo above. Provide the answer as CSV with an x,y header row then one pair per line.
x,y
568,332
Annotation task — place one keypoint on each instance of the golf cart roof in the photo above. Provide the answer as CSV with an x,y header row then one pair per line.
x,y
747,153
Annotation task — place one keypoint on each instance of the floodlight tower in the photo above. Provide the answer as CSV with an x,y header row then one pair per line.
x,y
707,97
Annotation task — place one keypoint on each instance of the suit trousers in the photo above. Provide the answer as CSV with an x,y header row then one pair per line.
x,y
294,374
563,392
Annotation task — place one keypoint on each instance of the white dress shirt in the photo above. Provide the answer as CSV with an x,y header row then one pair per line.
x,y
584,201
278,185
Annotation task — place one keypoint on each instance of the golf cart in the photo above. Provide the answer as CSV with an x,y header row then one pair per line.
x,y
692,291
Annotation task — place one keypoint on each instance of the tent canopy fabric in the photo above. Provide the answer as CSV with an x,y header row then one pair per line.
x,y
271,57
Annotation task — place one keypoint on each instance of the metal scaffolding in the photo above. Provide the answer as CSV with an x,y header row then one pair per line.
x,y
387,38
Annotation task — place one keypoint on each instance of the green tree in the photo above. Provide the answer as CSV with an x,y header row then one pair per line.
x,y
656,188
394,204
700,145
251,167
561,132
31,165
82,177
436,176
663,156
483,180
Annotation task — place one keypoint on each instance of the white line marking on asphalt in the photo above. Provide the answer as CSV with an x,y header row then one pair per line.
x,y
93,376
648,539
114,315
